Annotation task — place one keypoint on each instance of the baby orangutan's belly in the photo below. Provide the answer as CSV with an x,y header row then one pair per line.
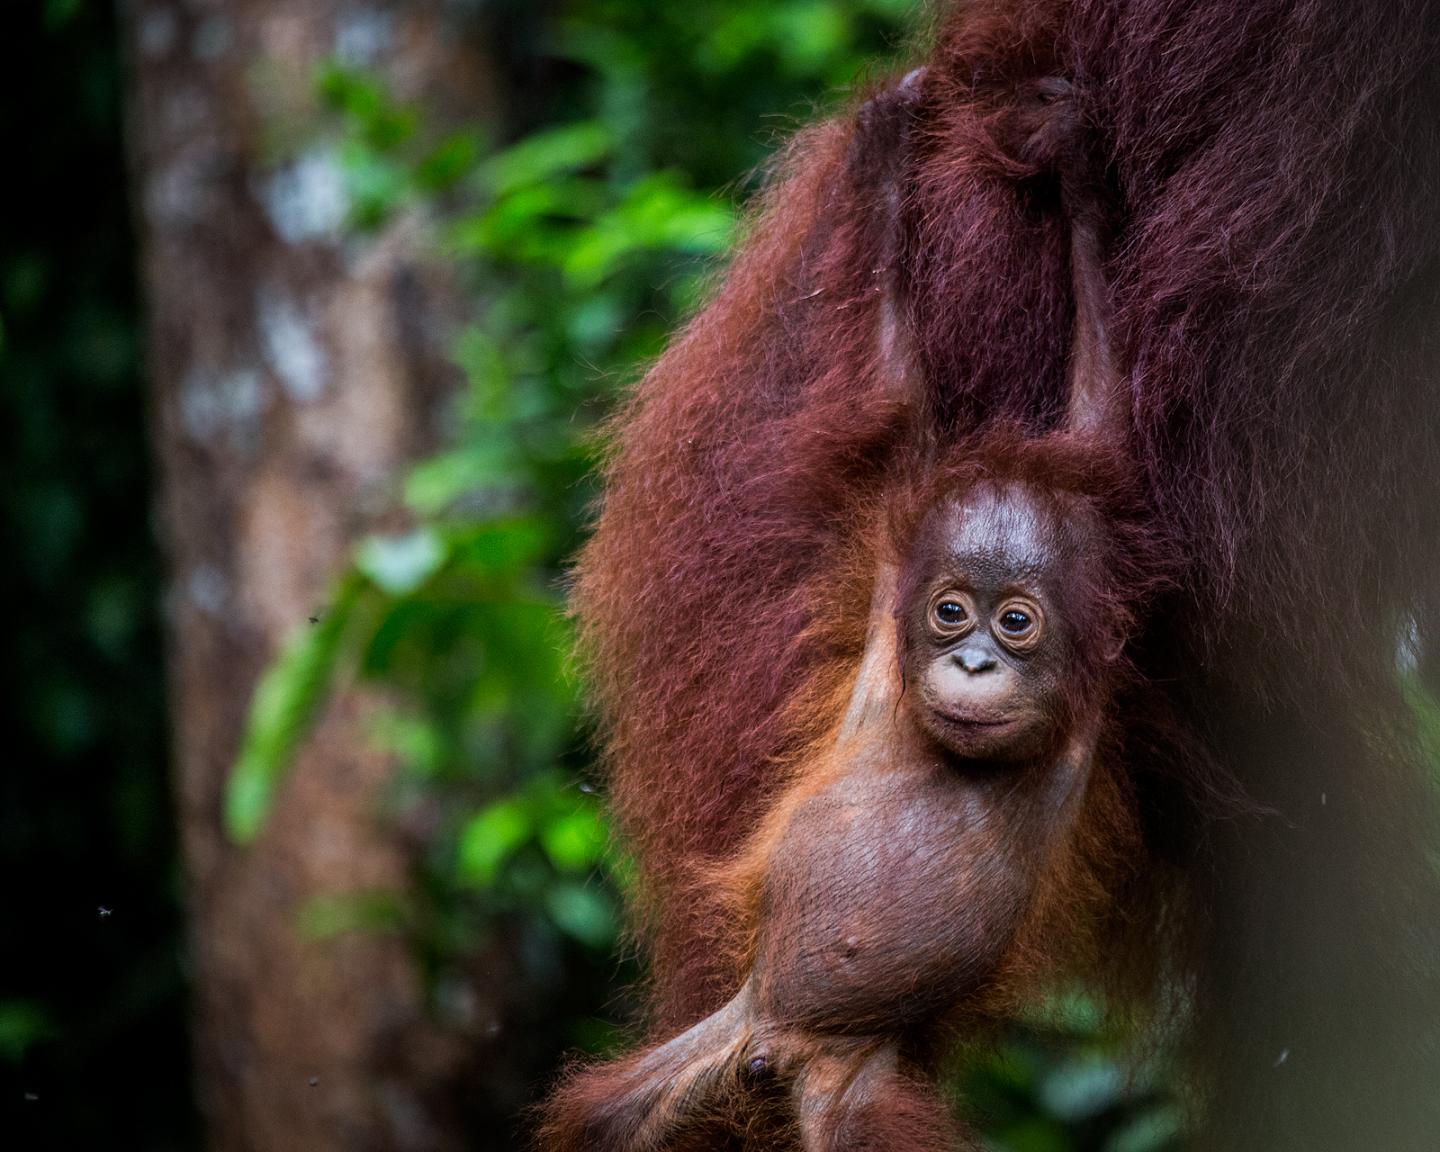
x,y
890,915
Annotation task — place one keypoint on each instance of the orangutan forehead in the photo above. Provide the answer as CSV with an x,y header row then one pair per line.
x,y
1003,525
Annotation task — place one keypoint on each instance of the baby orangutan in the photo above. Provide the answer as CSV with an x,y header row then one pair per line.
x,y
925,853
964,828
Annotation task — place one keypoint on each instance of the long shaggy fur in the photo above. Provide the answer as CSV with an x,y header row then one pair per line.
x,y
1274,169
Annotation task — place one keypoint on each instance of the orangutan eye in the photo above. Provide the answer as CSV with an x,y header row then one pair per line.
x,y
1015,621
1018,623
950,613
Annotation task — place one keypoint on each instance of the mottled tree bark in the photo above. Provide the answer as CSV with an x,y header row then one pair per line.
x,y
295,371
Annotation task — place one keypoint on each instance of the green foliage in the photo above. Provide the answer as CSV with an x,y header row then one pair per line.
x,y
285,702
1059,1083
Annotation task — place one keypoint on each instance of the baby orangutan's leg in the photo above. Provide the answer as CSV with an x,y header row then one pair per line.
x,y
652,1100
855,1096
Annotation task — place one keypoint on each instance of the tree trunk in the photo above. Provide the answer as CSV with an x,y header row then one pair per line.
x,y
295,371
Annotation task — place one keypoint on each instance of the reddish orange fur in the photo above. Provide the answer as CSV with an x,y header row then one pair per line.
x,y
1274,166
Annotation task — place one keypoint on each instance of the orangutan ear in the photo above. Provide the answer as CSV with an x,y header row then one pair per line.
x,y
879,168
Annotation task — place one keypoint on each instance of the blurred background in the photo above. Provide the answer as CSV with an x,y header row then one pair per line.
x,y
309,312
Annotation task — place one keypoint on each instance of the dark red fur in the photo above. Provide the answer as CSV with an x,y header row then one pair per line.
x,y
1274,169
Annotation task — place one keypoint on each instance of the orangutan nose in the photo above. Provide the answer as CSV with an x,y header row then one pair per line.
x,y
974,660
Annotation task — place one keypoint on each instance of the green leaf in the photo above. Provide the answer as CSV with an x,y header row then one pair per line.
x,y
381,122
1079,1089
810,38
416,741
350,91
546,154
284,705
595,321
657,214
1155,1131
575,840
1033,1134
490,838
504,546
400,564
436,484
584,912
375,184
448,162
534,224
